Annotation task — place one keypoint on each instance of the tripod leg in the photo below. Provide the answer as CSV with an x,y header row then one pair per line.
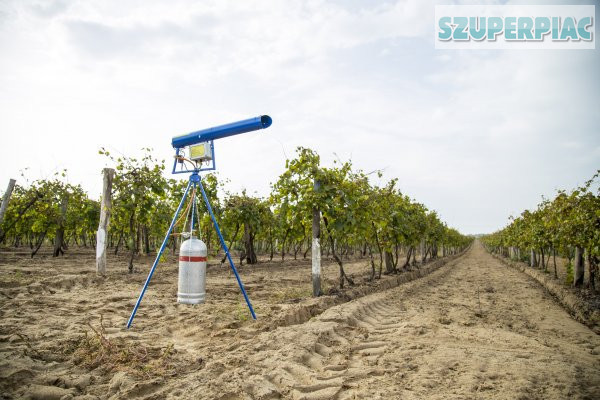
x,y
237,276
162,248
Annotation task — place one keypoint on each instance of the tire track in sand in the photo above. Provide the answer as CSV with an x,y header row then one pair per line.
x,y
472,329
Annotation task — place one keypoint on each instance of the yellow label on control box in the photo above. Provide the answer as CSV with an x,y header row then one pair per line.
x,y
197,151
201,152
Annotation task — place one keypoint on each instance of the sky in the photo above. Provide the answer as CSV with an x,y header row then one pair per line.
x,y
477,135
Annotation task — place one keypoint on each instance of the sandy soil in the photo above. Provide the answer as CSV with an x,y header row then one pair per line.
x,y
472,329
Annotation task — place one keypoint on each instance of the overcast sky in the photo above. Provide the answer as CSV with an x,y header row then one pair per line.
x,y
476,135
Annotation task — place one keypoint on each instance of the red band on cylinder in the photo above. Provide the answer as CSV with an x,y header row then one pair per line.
x,y
192,258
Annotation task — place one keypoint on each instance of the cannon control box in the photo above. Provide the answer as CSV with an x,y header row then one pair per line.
x,y
201,152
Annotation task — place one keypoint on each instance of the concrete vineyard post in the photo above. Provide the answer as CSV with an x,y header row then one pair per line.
x,y
105,211
316,247
533,260
5,200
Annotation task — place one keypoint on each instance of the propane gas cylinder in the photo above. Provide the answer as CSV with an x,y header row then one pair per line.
x,y
192,272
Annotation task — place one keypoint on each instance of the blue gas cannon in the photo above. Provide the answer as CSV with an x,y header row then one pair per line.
x,y
221,131
199,146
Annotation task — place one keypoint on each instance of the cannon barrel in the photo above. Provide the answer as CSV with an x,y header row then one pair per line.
x,y
221,131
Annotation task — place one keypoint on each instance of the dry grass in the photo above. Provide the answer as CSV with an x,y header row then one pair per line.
x,y
291,294
93,349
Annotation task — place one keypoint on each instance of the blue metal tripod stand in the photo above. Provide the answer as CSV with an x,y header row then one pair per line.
x,y
195,181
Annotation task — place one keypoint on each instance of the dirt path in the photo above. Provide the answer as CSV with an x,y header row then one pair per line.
x,y
473,329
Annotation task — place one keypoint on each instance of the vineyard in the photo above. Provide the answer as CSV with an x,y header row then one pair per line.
x,y
299,200
408,307
567,227
358,219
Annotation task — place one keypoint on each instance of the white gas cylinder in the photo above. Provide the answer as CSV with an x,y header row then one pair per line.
x,y
192,272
